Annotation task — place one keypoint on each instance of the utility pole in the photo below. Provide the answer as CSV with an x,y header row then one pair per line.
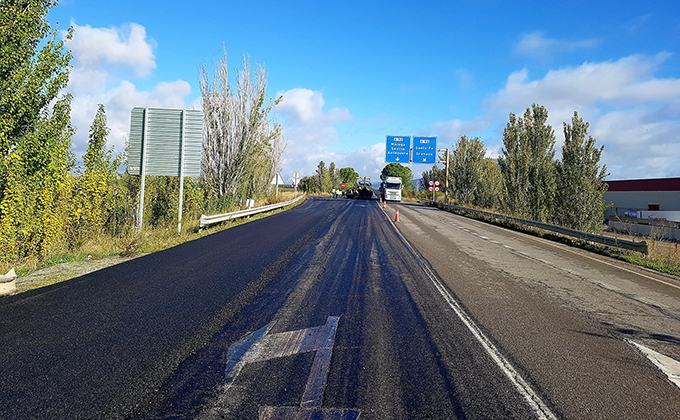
x,y
445,161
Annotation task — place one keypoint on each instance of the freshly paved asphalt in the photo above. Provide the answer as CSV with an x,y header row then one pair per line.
x,y
101,345
156,337
399,352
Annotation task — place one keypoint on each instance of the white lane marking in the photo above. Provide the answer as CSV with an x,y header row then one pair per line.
x,y
239,349
261,346
668,366
537,405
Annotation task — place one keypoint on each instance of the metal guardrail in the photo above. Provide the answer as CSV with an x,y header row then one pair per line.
x,y
604,240
217,218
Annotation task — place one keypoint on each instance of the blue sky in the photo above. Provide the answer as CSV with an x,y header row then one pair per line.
x,y
353,72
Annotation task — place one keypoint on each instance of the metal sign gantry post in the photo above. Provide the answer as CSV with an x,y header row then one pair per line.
x,y
277,180
446,168
296,181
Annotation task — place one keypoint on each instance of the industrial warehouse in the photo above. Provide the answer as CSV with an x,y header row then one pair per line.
x,y
645,206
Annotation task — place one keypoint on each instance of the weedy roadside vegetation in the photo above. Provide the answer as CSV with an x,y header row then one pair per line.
x,y
133,243
52,211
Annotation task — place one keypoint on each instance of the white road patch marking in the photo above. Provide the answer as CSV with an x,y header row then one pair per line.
x,y
537,405
261,346
670,367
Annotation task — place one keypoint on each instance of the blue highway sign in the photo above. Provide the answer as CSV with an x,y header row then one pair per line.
x,y
424,150
398,149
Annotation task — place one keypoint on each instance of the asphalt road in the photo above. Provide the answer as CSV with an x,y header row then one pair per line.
x,y
101,345
325,311
566,317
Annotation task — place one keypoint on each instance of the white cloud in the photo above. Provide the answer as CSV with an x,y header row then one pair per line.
x,y
118,103
103,57
125,46
309,130
631,112
627,81
639,142
535,45
305,106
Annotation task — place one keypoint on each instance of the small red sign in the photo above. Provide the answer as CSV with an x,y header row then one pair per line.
x,y
436,183
342,185
431,188
431,183
436,189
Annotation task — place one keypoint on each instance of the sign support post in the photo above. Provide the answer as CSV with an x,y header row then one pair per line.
x,y
276,181
181,173
142,169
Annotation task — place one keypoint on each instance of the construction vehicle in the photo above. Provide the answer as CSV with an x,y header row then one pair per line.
x,y
362,189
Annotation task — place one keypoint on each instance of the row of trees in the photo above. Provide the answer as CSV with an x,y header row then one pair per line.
x,y
527,180
48,205
326,179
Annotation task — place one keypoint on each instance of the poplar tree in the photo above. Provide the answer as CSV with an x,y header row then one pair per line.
x,y
99,157
527,164
512,163
467,169
35,131
334,174
93,195
322,178
243,146
491,185
580,180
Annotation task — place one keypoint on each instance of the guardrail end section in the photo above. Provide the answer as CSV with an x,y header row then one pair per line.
x,y
644,247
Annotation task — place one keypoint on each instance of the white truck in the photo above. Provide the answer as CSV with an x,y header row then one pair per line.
x,y
390,188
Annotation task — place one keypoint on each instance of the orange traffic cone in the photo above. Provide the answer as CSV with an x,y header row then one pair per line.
x,y
384,204
396,219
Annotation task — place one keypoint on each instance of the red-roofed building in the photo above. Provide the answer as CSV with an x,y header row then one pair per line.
x,y
659,198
